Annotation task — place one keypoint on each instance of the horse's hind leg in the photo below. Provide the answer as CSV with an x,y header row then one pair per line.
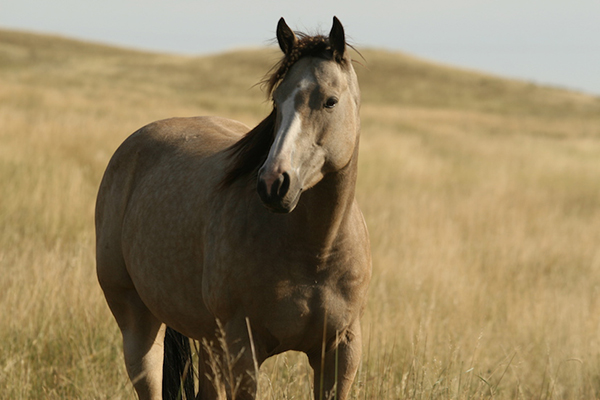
x,y
143,337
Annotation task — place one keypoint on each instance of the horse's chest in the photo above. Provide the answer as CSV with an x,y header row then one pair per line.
x,y
295,312
290,293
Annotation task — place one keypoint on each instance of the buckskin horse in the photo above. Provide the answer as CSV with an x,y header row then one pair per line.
x,y
208,230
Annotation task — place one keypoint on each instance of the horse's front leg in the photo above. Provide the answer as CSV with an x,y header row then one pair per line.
x,y
232,364
347,353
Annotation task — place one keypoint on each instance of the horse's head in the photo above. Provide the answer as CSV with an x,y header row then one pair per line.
x,y
317,99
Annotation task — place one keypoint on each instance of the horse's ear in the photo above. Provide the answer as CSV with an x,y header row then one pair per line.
x,y
285,36
337,39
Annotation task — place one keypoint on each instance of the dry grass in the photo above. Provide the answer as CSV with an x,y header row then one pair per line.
x,y
482,196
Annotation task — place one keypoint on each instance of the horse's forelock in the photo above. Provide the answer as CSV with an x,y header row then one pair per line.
x,y
307,46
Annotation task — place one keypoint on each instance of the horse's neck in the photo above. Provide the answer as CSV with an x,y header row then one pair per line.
x,y
324,208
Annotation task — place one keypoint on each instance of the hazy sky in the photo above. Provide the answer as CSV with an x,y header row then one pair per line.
x,y
544,41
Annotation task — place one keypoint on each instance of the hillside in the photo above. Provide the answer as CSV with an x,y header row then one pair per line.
x,y
386,77
482,197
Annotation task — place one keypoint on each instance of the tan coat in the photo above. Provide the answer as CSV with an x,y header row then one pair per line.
x,y
192,229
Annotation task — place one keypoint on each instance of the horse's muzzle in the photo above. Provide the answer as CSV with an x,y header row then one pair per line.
x,y
276,195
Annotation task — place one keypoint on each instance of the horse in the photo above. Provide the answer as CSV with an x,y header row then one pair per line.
x,y
248,240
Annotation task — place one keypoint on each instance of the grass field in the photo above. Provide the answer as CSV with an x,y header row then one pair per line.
x,y
482,196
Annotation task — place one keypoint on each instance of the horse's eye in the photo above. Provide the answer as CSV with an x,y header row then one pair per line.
x,y
331,102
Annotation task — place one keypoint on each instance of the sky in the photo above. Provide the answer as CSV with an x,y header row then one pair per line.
x,y
555,42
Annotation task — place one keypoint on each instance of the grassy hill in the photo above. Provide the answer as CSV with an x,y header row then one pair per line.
x,y
482,196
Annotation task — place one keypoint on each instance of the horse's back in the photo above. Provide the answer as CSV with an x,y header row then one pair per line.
x,y
200,136
163,146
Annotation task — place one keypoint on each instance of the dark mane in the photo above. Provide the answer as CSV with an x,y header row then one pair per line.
x,y
250,152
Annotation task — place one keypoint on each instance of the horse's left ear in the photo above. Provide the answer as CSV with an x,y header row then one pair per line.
x,y
337,39
285,37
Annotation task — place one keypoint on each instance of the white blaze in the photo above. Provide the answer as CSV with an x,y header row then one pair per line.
x,y
281,155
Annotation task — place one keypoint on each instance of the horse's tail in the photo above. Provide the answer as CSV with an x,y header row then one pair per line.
x,y
178,367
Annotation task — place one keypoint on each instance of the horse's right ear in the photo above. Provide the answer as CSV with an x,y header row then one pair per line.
x,y
285,36
337,39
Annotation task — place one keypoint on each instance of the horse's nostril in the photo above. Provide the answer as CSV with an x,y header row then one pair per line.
x,y
285,185
280,186
278,190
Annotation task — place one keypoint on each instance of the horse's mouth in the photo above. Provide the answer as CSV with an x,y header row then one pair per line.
x,y
282,206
